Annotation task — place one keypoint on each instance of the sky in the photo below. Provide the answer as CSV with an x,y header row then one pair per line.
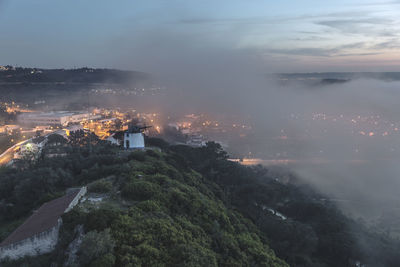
x,y
150,35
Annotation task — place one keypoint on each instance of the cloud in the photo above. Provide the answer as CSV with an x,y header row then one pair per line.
x,y
386,3
391,44
269,19
311,35
315,52
321,52
202,20
232,20
358,54
310,38
362,26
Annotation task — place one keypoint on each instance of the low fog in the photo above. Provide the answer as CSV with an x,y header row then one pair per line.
x,y
340,138
354,162
344,161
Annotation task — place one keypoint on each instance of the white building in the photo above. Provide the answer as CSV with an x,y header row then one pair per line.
x,y
133,140
196,140
39,233
65,132
54,118
134,137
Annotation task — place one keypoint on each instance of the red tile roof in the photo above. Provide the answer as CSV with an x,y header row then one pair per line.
x,y
45,218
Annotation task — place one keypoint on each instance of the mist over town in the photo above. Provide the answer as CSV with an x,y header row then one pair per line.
x,y
155,133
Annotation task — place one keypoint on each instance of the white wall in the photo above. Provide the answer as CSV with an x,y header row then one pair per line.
x,y
39,244
75,201
136,140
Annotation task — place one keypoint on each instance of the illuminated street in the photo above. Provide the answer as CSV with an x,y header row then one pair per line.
x,y
8,155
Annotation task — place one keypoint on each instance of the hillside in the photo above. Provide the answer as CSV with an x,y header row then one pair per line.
x,y
52,86
153,214
69,76
183,206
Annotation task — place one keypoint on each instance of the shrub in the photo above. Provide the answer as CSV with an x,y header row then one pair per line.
x,y
149,206
140,190
156,142
137,155
100,186
95,246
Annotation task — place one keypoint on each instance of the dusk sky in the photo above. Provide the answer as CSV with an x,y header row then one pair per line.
x,y
275,36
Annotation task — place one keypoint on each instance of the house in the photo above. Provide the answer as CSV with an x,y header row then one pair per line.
x,y
134,137
65,132
39,233
133,140
196,140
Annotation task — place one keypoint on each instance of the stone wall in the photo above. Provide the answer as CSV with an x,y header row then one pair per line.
x,y
75,201
39,244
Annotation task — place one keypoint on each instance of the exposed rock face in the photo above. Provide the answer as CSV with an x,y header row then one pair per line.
x,y
73,247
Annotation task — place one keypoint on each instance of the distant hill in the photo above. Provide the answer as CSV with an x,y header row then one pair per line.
x,y
395,76
10,74
328,78
27,85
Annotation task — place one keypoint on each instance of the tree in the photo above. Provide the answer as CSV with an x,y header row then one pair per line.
x,y
118,124
56,139
76,137
97,247
3,115
215,150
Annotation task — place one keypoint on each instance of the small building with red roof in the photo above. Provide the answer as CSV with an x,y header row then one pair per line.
x,y
39,233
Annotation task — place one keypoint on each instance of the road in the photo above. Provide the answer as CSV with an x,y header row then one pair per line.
x,y
8,155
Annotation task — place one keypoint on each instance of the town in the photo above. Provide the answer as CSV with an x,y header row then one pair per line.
x,y
26,126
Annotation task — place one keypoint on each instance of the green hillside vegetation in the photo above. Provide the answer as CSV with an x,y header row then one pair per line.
x,y
156,215
184,207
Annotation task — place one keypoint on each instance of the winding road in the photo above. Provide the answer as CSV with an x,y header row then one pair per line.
x,y
8,155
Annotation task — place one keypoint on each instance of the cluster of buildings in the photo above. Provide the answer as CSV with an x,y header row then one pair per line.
x,y
142,91
196,140
8,128
113,126
5,68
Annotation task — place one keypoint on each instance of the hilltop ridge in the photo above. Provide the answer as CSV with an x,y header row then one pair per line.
x,y
178,205
84,75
